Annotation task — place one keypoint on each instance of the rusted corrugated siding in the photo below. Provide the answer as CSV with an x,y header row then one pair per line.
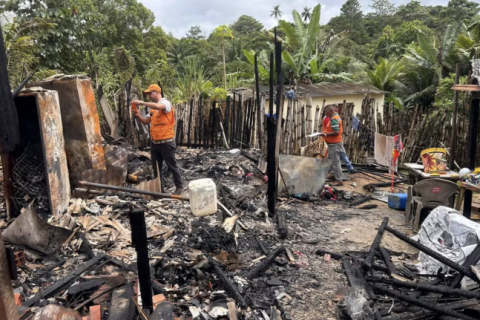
x,y
80,122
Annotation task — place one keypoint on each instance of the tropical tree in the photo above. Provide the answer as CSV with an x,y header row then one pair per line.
x,y
384,75
468,42
223,33
306,14
276,13
194,82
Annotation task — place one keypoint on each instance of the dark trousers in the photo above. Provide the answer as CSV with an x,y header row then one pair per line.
x,y
166,152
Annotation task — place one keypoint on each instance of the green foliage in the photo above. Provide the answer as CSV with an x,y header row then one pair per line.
x,y
195,33
444,95
384,75
219,94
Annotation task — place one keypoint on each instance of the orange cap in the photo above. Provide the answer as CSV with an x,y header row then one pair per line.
x,y
153,87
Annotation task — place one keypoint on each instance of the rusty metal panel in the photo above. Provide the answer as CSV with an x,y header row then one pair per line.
x,y
56,166
80,122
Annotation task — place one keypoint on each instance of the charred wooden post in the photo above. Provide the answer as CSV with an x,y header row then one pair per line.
x,y
233,126
388,261
453,146
376,243
214,125
226,120
433,254
280,103
271,148
426,287
189,136
262,247
421,303
257,91
200,121
472,149
281,225
139,240
229,287
238,136
471,260
364,284
266,263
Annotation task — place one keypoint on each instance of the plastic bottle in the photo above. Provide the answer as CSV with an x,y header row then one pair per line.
x,y
203,197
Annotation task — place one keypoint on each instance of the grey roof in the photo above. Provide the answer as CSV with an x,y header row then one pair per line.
x,y
324,89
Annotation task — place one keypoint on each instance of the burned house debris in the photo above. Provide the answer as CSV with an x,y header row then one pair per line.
x,y
89,233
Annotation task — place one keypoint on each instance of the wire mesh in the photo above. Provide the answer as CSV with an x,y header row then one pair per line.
x,y
30,181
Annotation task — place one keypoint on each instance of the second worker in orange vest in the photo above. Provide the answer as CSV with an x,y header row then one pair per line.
x,y
332,134
162,133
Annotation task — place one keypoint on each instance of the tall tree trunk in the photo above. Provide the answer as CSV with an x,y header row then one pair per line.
x,y
224,68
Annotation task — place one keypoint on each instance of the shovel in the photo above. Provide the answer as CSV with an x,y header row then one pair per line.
x,y
31,231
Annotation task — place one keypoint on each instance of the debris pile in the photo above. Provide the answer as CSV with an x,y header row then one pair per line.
x,y
380,289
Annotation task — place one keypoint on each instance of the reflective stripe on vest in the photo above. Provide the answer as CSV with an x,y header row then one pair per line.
x,y
162,125
328,129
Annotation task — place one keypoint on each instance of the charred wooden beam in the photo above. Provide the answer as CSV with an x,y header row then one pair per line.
x,y
433,254
360,201
49,291
266,263
421,303
271,148
338,256
281,225
471,260
376,243
426,287
229,287
373,186
139,240
262,247
426,314
388,261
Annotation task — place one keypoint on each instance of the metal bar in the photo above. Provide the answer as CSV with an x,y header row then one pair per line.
x,y
376,243
148,193
139,240
433,254
421,303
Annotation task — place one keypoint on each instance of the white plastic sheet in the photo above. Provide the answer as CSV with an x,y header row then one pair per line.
x,y
448,233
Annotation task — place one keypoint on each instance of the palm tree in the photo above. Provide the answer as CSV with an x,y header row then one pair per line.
x,y
384,75
468,42
276,13
306,14
222,33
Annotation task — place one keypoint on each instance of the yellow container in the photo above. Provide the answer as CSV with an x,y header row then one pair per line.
x,y
434,160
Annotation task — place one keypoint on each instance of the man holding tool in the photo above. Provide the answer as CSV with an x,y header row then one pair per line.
x,y
162,133
332,133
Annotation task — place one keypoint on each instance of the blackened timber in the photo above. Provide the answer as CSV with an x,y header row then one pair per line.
x,y
360,201
350,273
200,119
257,91
279,103
164,311
122,305
139,240
471,260
433,254
271,148
233,127
339,256
189,138
421,303
472,149
265,263
229,287
426,287
49,291
365,285
214,125
376,243
239,122
226,126
388,261
262,247
282,229
23,83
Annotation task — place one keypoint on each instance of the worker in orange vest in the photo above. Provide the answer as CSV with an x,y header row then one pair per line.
x,y
332,133
162,133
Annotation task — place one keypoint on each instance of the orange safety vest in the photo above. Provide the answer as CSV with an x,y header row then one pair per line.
x,y
162,126
328,129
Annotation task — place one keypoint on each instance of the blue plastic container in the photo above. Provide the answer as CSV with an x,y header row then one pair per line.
x,y
397,201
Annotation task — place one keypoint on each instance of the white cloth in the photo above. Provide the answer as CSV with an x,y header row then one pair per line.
x,y
168,106
383,150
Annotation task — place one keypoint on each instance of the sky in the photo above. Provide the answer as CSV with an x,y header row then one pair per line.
x,y
177,16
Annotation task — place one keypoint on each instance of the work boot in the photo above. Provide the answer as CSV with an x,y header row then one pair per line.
x,y
178,191
337,184
331,177
352,171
